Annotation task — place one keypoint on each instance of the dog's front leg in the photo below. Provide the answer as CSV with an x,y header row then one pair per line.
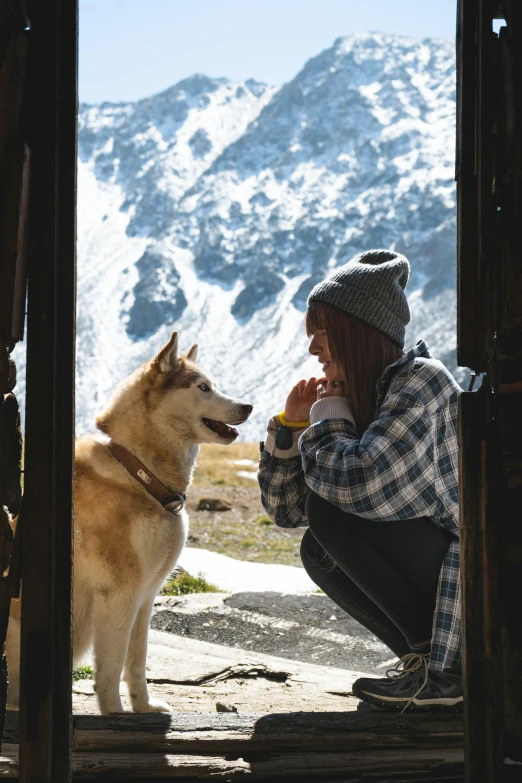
x,y
113,616
136,663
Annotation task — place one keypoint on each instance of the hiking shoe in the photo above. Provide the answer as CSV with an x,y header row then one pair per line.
x,y
411,683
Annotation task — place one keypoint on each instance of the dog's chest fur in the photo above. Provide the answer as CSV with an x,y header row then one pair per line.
x,y
122,534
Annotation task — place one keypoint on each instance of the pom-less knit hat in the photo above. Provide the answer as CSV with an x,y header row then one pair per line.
x,y
371,287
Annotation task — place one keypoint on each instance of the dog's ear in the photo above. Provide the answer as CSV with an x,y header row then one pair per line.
x,y
167,358
193,353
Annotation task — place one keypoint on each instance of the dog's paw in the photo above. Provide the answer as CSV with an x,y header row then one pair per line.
x,y
153,705
110,707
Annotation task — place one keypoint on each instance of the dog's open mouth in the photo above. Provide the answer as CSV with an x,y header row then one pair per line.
x,y
221,429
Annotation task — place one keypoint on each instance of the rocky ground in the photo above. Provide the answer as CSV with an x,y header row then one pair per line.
x,y
194,676
306,628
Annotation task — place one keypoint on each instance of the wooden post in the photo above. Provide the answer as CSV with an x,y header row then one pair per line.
x,y
13,69
468,315
509,360
45,696
490,334
471,574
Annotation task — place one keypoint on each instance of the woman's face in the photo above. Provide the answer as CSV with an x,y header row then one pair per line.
x,y
319,347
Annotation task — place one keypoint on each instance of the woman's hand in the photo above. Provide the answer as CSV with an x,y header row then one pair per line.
x,y
330,389
301,399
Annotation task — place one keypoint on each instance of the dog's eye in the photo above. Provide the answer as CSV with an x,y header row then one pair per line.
x,y
203,387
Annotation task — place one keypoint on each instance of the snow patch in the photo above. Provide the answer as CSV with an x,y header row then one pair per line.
x,y
240,576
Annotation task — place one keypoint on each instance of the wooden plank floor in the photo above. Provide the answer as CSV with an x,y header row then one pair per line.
x,y
293,721
233,746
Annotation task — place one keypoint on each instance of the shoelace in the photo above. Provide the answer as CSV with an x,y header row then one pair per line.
x,y
408,664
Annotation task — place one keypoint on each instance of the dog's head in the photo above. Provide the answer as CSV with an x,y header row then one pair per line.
x,y
190,394
179,400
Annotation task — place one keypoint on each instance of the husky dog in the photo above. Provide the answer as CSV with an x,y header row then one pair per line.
x,y
125,541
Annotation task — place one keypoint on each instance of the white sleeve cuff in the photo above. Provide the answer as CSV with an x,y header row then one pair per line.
x,y
270,446
331,408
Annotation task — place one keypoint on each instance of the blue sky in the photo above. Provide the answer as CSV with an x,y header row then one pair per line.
x,y
130,49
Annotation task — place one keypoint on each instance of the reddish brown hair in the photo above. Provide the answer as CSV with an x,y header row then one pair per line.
x,y
360,350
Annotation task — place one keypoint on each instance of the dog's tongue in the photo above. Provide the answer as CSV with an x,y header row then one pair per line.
x,y
220,428
224,429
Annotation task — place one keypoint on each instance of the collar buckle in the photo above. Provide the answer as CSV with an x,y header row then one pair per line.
x,y
176,503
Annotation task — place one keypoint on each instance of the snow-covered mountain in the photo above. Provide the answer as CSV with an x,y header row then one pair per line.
x,y
215,206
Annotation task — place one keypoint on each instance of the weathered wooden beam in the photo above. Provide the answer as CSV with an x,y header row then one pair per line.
x,y
491,452
477,720
211,733
469,314
509,413
46,513
12,81
5,551
13,69
20,280
509,326
345,746
486,141
492,687
10,491
348,767
218,742
509,404
10,455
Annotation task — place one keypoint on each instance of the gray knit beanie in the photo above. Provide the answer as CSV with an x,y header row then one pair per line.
x,y
371,287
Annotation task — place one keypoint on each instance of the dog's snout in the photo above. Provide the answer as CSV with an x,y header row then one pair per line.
x,y
247,410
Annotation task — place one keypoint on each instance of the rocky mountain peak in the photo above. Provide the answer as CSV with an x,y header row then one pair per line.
x,y
215,206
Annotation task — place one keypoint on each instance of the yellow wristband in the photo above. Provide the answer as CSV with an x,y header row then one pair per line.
x,y
293,424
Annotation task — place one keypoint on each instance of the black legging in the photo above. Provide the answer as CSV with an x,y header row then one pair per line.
x,y
384,574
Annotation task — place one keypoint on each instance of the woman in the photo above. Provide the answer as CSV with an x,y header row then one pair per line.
x,y
367,457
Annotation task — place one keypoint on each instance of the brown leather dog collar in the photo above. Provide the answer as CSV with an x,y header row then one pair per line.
x,y
170,501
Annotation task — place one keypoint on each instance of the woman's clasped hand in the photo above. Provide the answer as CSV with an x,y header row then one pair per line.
x,y
303,395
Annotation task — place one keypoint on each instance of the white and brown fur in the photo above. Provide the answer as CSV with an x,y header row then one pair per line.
x,y
125,543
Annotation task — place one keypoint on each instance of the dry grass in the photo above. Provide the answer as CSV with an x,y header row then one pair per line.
x,y
245,532
217,465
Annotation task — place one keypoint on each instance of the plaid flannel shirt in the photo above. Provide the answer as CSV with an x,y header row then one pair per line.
x,y
404,466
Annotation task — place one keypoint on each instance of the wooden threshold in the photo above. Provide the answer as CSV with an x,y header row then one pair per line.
x,y
324,746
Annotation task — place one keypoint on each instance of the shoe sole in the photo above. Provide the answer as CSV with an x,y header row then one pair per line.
x,y
436,709
388,701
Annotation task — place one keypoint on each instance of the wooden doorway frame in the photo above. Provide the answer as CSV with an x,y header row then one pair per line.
x,y
490,340
489,181
39,76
